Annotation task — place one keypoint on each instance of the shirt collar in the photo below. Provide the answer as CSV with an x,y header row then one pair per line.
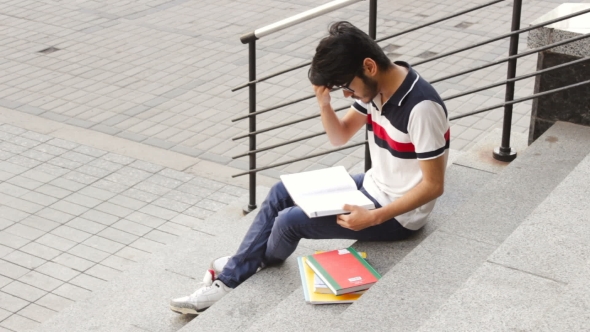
x,y
405,88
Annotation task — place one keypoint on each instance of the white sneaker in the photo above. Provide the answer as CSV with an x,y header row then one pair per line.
x,y
218,264
200,300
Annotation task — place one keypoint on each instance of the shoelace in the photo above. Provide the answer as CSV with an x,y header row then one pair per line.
x,y
206,284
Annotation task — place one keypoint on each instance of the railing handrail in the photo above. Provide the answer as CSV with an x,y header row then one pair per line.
x,y
296,19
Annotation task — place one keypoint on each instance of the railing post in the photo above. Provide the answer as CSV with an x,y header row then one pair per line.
x,y
505,152
372,34
252,109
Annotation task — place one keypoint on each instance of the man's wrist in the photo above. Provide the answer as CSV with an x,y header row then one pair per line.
x,y
377,215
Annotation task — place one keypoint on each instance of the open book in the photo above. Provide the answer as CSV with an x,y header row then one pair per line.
x,y
324,192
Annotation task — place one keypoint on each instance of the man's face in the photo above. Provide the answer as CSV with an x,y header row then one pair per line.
x,y
365,89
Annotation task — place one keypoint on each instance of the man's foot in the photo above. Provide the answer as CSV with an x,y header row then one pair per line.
x,y
218,264
200,300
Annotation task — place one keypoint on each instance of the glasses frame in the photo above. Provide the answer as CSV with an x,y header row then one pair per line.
x,y
346,87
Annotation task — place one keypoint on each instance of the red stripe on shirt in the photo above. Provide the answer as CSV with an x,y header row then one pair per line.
x,y
382,134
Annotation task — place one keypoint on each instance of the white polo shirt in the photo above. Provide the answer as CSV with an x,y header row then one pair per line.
x,y
411,126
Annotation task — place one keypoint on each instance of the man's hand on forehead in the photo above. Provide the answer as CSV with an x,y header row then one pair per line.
x,y
322,94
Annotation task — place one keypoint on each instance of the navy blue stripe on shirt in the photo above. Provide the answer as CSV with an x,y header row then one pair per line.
x,y
359,108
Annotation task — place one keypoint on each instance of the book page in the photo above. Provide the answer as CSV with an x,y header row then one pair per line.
x,y
319,181
332,203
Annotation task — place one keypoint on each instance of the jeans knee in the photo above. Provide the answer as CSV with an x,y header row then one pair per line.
x,y
286,222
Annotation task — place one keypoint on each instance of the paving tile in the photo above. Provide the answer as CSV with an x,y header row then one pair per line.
x,y
71,234
131,227
161,237
56,242
198,212
83,200
140,195
4,250
97,193
102,272
80,177
117,158
127,202
5,223
54,302
37,313
11,240
24,182
24,231
39,223
11,303
67,207
55,215
159,212
72,292
146,219
40,281
118,236
66,184
39,250
113,187
57,271
23,291
12,190
19,323
3,315
88,253
73,262
39,198
85,225
152,188
113,209
25,206
132,254
100,217
117,263
88,282
12,214
4,281
53,191
171,204
39,176
103,244
11,270
24,259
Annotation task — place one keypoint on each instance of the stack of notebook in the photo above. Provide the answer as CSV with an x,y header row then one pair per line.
x,y
337,276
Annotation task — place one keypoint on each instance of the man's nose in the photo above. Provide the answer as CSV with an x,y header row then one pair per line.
x,y
346,93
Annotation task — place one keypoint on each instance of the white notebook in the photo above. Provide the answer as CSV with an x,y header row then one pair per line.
x,y
324,192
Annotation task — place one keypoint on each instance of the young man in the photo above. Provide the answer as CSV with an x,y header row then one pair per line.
x,y
408,140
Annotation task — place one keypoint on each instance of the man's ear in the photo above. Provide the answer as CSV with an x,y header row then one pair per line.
x,y
370,67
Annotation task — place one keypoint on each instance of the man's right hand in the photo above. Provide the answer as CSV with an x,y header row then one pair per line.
x,y
322,94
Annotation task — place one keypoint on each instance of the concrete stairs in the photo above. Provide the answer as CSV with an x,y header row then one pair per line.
x,y
502,242
137,300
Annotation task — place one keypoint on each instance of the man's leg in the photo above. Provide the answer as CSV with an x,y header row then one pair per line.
x,y
250,254
293,225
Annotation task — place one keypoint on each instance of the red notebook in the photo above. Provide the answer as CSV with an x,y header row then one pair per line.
x,y
343,271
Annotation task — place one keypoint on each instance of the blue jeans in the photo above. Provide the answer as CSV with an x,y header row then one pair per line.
x,y
280,224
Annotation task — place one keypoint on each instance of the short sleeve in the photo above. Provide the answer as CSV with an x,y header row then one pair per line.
x,y
361,107
428,128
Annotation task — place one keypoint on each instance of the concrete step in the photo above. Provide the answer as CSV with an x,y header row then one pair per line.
x,y
461,183
137,300
416,287
538,278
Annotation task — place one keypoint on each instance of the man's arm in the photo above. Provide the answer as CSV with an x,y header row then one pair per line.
x,y
431,187
339,130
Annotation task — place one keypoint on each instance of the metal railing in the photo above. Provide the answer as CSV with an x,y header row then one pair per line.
x,y
504,152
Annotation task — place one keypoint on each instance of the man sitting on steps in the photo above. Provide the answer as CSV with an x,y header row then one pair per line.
x,y
408,140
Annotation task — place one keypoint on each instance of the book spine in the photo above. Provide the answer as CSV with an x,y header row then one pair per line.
x,y
303,279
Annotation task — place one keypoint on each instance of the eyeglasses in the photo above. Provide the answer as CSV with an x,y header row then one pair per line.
x,y
345,87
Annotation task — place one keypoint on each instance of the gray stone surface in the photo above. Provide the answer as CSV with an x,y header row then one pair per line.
x,y
544,262
496,298
461,183
561,232
480,155
174,270
502,205
480,229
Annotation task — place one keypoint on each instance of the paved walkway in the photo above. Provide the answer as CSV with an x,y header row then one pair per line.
x,y
160,72
115,131
73,216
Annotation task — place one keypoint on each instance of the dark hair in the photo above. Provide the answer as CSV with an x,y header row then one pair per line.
x,y
339,57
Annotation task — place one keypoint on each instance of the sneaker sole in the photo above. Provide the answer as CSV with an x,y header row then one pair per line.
x,y
185,311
